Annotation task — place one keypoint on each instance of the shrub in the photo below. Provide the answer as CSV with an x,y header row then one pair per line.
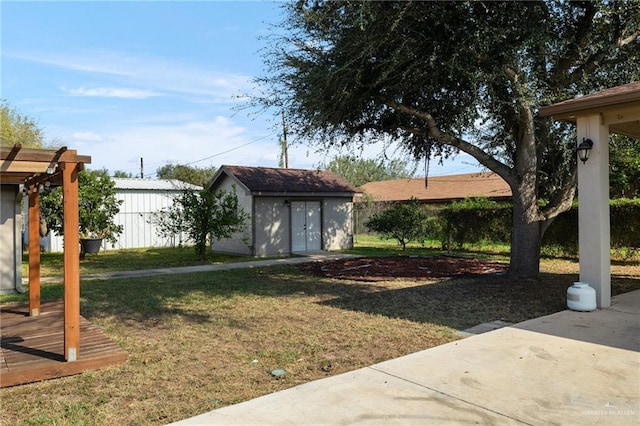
x,y
404,222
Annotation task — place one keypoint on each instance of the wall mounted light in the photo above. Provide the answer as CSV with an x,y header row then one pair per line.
x,y
287,203
584,149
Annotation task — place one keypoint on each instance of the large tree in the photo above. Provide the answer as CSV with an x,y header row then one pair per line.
x,y
443,77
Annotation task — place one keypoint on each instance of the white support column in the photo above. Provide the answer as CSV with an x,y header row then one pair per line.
x,y
593,209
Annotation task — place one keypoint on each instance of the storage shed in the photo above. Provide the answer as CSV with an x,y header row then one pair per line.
x,y
140,199
291,210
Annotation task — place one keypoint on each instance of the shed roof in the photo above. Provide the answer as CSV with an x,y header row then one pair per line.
x,y
152,184
279,181
440,188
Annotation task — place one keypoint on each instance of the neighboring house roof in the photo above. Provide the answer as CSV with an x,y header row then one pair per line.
x,y
440,188
280,181
152,184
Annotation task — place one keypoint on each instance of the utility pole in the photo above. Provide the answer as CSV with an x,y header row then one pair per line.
x,y
284,143
141,168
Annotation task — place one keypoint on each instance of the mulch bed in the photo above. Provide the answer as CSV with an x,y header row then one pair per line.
x,y
403,267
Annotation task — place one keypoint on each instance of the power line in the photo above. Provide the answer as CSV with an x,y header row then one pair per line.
x,y
219,153
229,150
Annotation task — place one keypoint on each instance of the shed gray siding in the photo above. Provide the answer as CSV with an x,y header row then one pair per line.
x,y
241,242
10,240
337,224
272,226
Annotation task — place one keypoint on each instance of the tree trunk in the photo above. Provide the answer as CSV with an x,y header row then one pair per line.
x,y
526,238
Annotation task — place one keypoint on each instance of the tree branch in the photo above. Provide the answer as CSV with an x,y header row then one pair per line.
x,y
562,199
582,37
433,131
526,147
622,42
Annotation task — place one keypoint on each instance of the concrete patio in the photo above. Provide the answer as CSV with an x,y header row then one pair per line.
x,y
574,368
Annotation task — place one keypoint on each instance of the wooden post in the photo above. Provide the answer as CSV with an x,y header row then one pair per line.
x,y
71,262
34,251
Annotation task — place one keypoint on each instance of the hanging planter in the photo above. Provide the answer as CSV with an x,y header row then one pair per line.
x,y
90,245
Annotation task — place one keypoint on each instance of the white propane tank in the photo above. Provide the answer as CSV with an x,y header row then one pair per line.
x,y
581,297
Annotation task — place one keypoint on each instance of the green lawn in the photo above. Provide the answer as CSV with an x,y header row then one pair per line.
x,y
201,341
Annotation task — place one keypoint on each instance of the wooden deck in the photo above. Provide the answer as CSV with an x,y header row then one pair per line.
x,y
32,348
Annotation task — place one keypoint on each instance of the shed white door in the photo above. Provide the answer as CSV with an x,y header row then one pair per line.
x,y
305,226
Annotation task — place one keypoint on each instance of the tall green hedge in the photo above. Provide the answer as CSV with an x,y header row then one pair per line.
x,y
476,220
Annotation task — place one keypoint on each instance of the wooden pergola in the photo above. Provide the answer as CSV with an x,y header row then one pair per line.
x,y
36,168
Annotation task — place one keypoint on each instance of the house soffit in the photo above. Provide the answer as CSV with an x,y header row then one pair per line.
x,y
618,107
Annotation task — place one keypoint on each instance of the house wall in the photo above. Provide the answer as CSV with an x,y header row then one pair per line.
x,y
135,214
10,240
241,242
337,224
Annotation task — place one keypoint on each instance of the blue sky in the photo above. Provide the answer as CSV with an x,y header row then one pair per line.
x,y
156,80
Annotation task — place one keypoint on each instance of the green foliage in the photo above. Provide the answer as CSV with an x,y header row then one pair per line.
x,y
403,222
16,128
359,171
193,175
202,214
625,220
339,63
473,220
624,167
122,174
562,235
97,204
481,220
624,227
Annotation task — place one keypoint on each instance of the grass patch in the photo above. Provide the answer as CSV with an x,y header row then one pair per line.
x,y
201,341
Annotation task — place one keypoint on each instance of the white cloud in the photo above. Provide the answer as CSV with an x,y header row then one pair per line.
x,y
220,141
155,74
111,92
